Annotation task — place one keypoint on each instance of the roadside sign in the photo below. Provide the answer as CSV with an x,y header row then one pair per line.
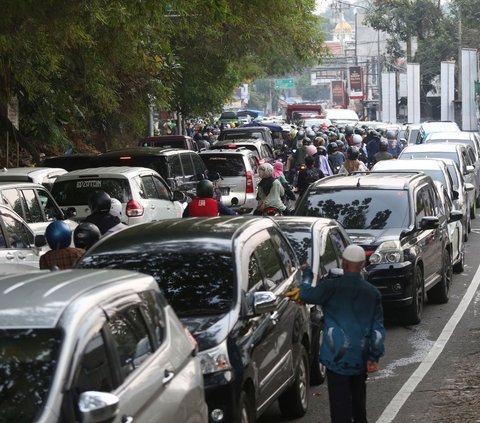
x,y
284,84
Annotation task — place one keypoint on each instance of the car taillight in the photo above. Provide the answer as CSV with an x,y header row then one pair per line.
x,y
134,209
249,188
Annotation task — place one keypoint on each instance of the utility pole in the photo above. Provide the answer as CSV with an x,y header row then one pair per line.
x,y
379,77
459,53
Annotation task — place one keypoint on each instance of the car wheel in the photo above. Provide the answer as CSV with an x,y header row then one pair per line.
x,y
247,413
459,265
413,313
439,294
294,401
318,371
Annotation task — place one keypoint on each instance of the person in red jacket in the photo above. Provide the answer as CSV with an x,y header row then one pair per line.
x,y
203,205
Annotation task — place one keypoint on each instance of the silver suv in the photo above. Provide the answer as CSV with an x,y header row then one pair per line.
x,y
95,346
239,176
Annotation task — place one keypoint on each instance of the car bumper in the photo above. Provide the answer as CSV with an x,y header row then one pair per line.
x,y
221,394
394,282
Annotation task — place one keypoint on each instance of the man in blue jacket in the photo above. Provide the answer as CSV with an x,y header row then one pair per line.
x,y
353,336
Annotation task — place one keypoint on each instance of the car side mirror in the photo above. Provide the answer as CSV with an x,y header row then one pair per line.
x,y
455,216
264,302
469,169
455,194
69,212
469,187
429,222
179,196
40,241
97,407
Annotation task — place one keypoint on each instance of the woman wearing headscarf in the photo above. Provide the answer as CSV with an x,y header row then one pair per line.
x,y
352,164
270,190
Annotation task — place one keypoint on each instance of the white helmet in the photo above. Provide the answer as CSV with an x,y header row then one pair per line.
x,y
357,139
116,208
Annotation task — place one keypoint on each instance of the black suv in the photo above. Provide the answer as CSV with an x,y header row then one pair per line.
x,y
400,221
226,278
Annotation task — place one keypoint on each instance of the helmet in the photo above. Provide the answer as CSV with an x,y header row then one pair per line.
x,y
116,208
383,145
310,132
356,139
332,146
205,189
58,235
340,145
99,202
311,150
349,130
307,141
390,135
332,136
359,131
85,235
265,170
353,153
322,150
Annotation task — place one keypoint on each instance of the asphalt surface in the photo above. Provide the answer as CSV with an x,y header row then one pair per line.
x,y
431,371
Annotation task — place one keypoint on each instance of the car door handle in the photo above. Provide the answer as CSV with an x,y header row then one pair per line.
x,y
10,256
168,376
127,419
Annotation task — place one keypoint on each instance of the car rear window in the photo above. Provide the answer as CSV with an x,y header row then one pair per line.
x,y
163,144
431,155
77,191
241,136
359,209
225,164
28,359
157,163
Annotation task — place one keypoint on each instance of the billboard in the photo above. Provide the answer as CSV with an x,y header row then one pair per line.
x,y
338,94
356,82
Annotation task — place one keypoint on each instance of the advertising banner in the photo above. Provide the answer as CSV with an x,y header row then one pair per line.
x,y
338,94
356,82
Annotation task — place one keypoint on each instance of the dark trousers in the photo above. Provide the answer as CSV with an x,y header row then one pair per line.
x,y
348,398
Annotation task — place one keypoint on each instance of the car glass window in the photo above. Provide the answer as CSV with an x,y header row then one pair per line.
x,y
17,233
14,200
162,189
28,363
175,166
33,208
77,192
51,210
154,315
287,255
138,186
454,177
423,204
435,201
94,372
359,208
254,273
270,262
225,164
194,281
198,164
187,165
301,241
339,241
131,339
253,164
149,187
328,257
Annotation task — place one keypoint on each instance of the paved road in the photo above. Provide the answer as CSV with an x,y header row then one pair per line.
x,y
430,371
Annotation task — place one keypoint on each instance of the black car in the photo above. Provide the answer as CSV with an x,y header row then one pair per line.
x,y
320,242
400,221
226,278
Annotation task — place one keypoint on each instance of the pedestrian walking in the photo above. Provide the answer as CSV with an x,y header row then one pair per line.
x,y
353,335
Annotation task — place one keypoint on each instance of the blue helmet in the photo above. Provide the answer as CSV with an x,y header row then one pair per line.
x,y
58,235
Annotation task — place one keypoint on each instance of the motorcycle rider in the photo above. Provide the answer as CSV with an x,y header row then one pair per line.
x,y
335,157
270,191
85,235
357,141
100,204
394,147
116,210
383,154
203,204
308,175
353,164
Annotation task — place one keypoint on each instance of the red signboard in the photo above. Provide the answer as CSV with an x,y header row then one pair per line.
x,y
338,94
356,82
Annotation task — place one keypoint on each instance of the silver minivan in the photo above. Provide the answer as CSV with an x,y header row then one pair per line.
x,y
95,346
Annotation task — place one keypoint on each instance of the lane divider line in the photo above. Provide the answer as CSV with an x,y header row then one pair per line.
x,y
417,376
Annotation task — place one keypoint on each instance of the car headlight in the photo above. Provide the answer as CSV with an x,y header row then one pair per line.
x,y
215,359
388,252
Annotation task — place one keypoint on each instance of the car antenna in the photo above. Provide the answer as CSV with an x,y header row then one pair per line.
x,y
358,183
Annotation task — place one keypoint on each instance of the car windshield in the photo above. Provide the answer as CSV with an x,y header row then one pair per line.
x,y
77,191
430,155
301,241
225,164
413,136
28,359
359,209
194,282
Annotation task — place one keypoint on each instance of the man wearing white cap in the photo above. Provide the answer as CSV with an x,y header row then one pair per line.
x,y
353,335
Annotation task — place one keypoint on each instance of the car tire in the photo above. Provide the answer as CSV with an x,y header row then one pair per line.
x,y
413,313
440,293
293,402
246,410
459,265
318,371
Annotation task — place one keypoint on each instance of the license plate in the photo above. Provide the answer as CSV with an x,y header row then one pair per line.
x,y
225,190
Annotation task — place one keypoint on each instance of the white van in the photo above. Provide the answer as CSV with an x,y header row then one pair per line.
x,y
342,116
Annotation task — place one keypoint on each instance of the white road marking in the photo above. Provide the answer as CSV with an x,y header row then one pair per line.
x,y
409,386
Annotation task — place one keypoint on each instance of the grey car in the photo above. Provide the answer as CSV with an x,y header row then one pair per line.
x,y
94,346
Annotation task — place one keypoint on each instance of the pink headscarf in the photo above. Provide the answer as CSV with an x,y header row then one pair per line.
x,y
277,169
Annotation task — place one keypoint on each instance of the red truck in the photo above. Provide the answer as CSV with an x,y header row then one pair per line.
x,y
295,111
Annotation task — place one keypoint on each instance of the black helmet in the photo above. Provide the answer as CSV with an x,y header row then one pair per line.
x,y
99,202
390,135
307,141
359,131
332,147
205,189
383,145
340,145
322,150
58,235
85,235
349,129
353,153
